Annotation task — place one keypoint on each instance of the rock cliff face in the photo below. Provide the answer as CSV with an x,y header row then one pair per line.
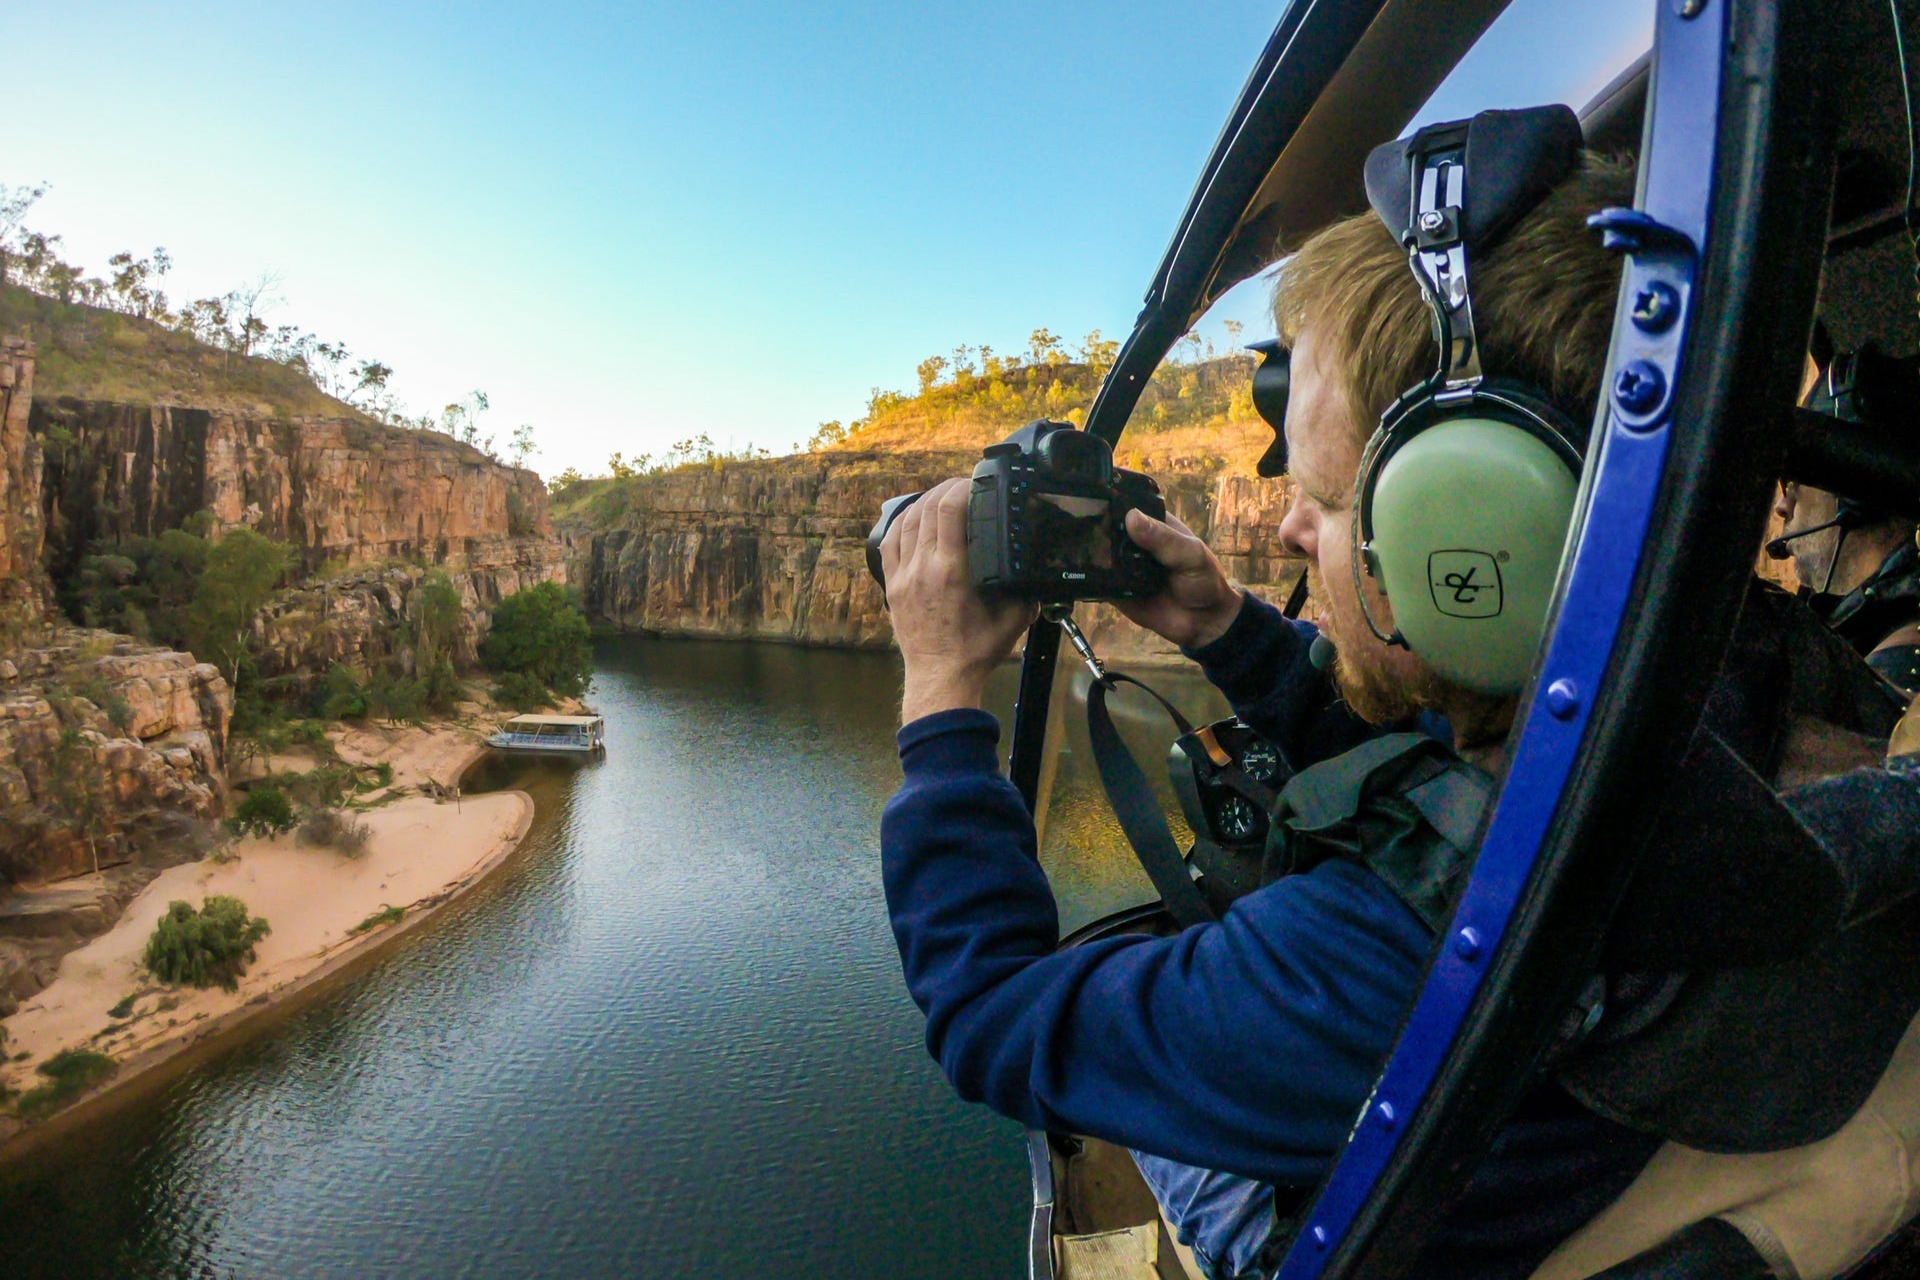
x,y
105,745
112,758
775,549
354,496
337,490
114,751
21,583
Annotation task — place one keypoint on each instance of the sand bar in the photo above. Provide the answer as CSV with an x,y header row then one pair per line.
x,y
423,852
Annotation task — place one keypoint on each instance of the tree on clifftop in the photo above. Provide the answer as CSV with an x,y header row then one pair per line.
x,y
14,204
540,633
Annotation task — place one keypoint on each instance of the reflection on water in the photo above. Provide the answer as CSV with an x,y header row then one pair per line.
x,y
668,1040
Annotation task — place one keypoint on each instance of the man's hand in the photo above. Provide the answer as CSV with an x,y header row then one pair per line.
x,y
949,636
1199,603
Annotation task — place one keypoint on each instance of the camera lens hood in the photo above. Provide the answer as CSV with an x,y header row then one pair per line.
x,y
889,512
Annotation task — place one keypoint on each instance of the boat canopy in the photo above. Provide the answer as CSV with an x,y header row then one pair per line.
x,y
532,724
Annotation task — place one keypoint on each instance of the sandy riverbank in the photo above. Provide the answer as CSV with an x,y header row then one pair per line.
x,y
422,852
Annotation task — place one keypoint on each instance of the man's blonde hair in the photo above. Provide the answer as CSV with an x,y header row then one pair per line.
x,y
1543,300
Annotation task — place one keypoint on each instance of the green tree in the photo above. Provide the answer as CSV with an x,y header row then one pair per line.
x,y
930,370
1098,352
242,570
829,434
205,947
522,446
76,787
370,379
542,632
435,613
135,283
15,202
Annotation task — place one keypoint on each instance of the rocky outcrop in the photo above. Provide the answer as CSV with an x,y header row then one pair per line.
x,y
770,550
338,490
113,762
372,504
113,752
21,583
775,549
363,618
110,751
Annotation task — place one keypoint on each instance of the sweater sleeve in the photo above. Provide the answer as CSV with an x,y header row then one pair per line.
x,y
1246,1046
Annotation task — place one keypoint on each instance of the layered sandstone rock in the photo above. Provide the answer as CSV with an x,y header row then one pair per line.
x,y
109,750
337,490
379,504
775,549
112,767
362,618
20,577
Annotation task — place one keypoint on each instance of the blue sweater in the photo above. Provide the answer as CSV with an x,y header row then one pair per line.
x,y
1248,1045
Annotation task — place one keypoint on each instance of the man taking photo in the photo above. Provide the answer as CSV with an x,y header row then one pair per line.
x,y
1235,1055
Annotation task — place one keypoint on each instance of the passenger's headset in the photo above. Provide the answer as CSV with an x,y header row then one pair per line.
x,y
1466,490
1866,386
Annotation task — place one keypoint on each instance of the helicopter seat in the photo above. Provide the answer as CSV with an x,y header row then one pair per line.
x,y
1810,1213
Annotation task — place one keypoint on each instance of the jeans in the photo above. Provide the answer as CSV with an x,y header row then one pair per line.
x,y
1222,1217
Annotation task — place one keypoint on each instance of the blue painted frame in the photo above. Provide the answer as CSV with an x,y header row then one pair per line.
x,y
1664,238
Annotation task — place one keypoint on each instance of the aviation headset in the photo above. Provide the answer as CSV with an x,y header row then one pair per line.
x,y
1865,386
1466,490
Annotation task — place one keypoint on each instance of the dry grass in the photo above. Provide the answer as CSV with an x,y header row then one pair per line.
x,y
95,354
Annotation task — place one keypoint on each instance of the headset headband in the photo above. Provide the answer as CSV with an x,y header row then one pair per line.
x,y
1466,183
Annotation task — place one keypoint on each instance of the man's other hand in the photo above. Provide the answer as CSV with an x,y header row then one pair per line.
x,y
1199,603
950,638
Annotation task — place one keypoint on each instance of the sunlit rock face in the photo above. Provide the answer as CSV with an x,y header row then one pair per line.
x,y
775,549
21,583
369,507
110,751
341,491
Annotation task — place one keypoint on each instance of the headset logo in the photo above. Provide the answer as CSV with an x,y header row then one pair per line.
x,y
1465,584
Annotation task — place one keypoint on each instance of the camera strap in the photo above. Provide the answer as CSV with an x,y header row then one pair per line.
x,y
1129,793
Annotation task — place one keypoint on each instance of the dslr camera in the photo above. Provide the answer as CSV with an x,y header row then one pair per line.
x,y
1046,520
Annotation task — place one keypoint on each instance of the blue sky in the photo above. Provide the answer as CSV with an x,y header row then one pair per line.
x,y
631,223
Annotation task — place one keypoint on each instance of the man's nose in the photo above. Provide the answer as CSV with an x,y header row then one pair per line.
x,y
1783,503
1296,534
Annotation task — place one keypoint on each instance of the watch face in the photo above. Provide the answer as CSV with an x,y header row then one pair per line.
x,y
1236,819
1261,762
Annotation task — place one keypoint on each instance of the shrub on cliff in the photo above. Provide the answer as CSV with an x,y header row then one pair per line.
x,y
264,811
541,633
204,947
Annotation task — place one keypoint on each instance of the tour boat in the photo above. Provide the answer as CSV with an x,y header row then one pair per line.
x,y
580,734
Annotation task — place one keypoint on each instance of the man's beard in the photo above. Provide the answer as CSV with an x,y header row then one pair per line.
x,y
1360,673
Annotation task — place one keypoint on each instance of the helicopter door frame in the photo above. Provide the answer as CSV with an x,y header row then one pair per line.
x,y
1735,173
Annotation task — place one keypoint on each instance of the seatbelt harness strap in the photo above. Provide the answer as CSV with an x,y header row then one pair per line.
x,y
1128,791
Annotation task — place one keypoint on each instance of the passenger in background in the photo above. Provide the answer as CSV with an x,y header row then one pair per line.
x,y
1860,563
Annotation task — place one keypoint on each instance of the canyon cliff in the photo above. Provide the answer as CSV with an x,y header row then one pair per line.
x,y
774,549
112,751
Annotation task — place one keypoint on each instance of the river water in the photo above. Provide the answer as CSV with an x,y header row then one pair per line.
x,y
668,1040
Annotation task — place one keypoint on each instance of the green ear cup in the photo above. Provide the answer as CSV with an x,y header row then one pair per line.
x,y
1469,521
